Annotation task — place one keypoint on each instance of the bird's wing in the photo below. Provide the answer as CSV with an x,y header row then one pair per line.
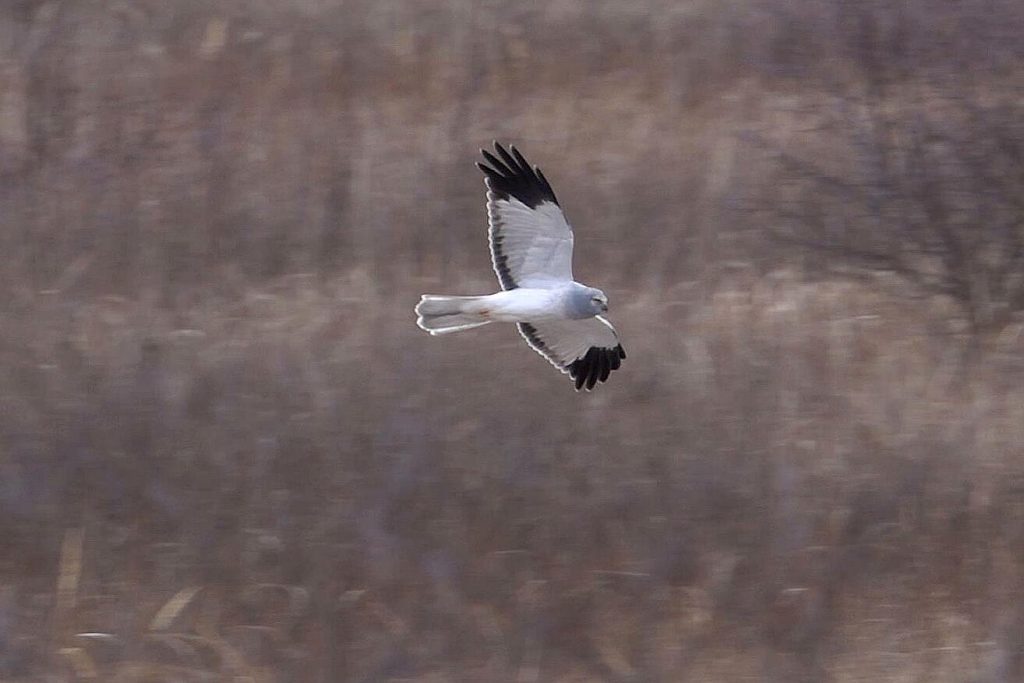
x,y
531,242
588,350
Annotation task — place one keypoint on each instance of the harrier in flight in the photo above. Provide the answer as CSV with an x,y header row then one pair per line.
x,y
531,251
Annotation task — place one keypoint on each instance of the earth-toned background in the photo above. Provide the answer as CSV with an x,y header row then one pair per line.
x,y
227,452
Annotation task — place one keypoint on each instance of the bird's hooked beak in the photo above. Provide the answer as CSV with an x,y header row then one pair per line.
x,y
604,307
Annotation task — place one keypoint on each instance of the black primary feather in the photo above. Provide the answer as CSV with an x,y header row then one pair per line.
x,y
512,176
595,366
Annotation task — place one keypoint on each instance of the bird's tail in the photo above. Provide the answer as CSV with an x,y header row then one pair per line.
x,y
439,314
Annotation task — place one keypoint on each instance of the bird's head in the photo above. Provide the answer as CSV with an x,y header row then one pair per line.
x,y
598,301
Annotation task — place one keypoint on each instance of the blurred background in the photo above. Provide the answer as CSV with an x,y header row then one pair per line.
x,y
227,452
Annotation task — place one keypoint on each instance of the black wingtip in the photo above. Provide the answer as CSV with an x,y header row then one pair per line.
x,y
512,176
595,366
580,379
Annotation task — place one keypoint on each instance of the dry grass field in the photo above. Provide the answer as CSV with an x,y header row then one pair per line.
x,y
228,454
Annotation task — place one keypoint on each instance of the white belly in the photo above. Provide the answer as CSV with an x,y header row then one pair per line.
x,y
523,305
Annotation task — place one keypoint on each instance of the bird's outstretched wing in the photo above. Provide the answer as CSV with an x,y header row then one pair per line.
x,y
531,242
588,350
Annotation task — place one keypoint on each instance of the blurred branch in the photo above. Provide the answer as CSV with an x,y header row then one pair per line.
x,y
929,187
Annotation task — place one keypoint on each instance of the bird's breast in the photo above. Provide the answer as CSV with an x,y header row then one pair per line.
x,y
522,305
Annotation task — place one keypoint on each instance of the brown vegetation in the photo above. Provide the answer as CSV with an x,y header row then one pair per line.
x,y
227,453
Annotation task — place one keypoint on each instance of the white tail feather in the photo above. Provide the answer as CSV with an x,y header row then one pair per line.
x,y
445,314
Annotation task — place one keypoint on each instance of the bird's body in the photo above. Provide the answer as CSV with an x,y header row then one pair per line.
x,y
531,304
531,251
525,304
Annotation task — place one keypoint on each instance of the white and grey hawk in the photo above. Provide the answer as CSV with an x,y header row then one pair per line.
x,y
531,251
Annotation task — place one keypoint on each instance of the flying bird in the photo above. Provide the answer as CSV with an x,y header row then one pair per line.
x,y
531,251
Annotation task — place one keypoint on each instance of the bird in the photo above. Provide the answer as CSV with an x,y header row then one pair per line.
x,y
531,252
